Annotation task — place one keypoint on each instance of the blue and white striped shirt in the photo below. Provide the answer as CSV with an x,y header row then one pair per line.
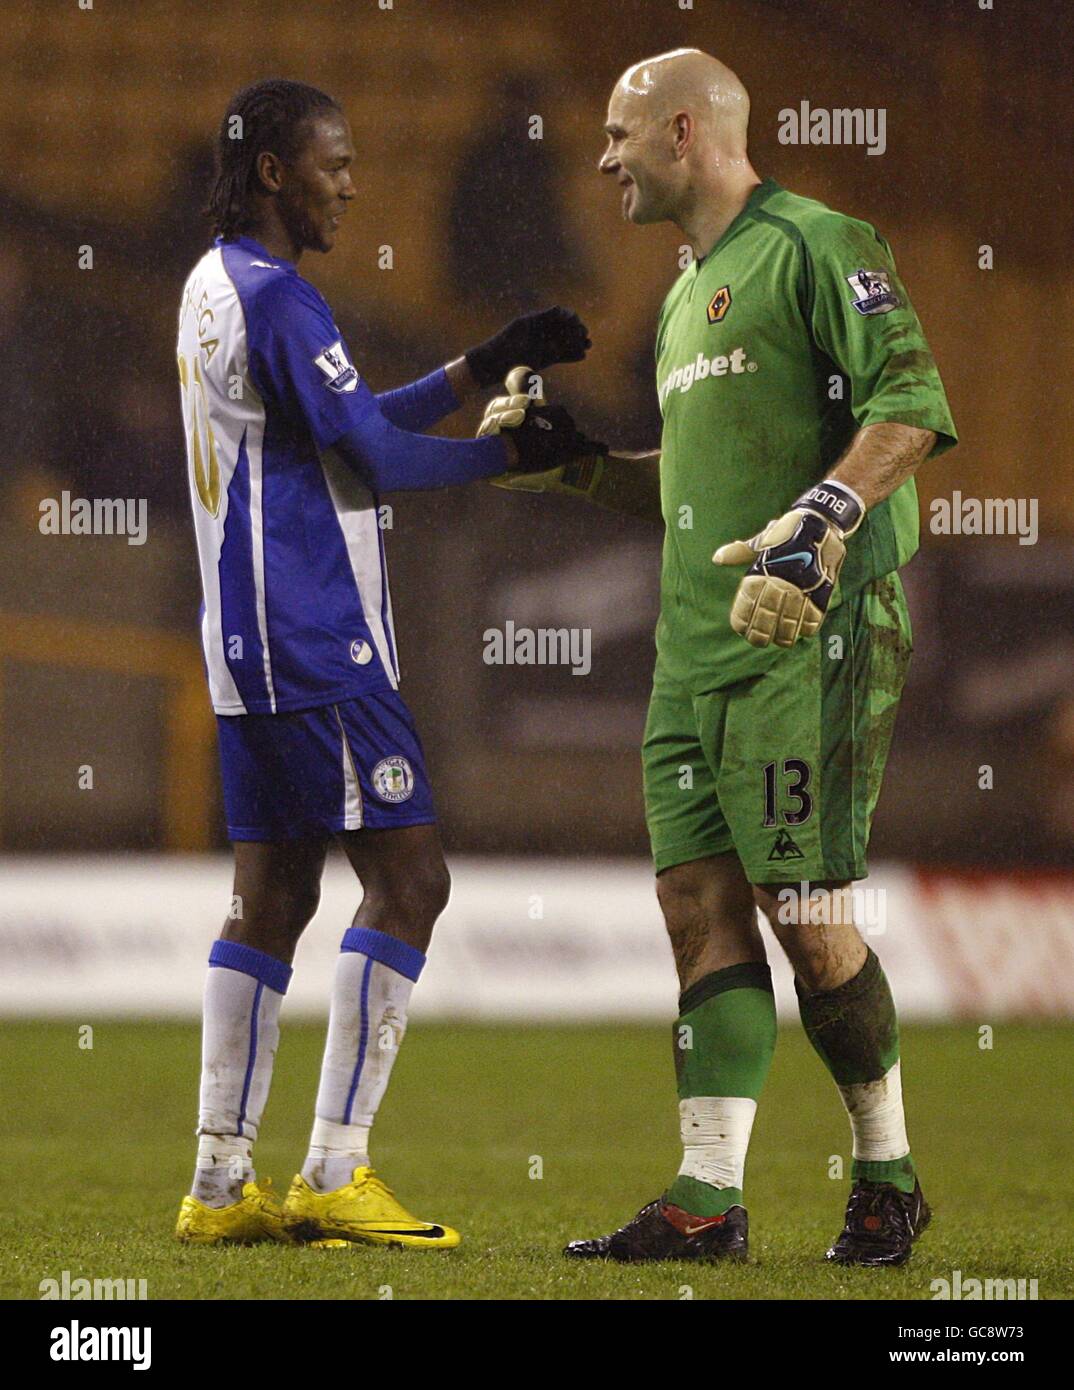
x,y
287,450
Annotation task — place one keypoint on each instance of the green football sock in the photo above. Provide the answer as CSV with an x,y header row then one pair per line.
x,y
855,1032
724,1040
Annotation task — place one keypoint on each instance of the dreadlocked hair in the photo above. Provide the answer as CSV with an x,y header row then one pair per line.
x,y
267,116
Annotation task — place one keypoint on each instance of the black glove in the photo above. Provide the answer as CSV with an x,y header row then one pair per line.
x,y
548,437
541,339
545,436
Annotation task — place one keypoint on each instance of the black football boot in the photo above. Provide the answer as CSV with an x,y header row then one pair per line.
x,y
882,1224
662,1231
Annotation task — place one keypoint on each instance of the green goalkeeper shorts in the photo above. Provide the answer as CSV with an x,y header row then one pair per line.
x,y
785,768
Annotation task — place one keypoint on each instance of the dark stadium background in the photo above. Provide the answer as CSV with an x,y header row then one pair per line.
x,y
540,1026
105,125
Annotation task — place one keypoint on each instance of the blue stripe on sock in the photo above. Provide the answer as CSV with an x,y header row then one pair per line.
x,y
233,955
363,1040
252,1056
389,950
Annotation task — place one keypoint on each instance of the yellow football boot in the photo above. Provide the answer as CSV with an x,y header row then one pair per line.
x,y
364,1212
256,1216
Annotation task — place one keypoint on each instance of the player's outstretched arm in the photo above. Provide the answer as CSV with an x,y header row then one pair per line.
x,y
388,459
535,437
544,338
630,483
618,482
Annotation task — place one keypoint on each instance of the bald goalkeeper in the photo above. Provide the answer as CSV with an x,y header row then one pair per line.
x,y
794,383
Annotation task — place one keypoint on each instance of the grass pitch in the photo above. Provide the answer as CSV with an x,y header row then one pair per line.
x,y
99,1147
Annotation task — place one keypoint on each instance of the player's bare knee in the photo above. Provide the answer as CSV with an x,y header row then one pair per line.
x,y
284,908
816,929
710,918
683,908
303,902
805,904
433,889
680,895
422,894
292,906
412,900
713,888
781,904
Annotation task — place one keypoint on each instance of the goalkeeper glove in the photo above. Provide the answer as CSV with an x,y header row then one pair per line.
x,y
546,439
579,478
796,562
542,338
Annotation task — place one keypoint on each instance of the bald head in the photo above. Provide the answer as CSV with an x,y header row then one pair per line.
x,y
688,80
676,132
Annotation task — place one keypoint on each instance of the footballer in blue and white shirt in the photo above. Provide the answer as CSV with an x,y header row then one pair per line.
x,y
289,451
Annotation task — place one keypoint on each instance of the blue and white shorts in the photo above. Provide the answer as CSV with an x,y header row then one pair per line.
x,y
353,765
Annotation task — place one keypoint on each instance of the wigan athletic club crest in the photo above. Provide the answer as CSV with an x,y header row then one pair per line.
x,y
872,292
393,779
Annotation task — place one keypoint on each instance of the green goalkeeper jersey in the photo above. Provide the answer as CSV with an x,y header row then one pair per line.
x,y
789,336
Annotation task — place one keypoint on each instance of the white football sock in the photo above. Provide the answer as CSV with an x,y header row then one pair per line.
x,y
877,1121
334,1153
715,1136
240,1033
224,1163
375,975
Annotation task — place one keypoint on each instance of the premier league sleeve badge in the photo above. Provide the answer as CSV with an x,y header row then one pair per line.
x,y
872,292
